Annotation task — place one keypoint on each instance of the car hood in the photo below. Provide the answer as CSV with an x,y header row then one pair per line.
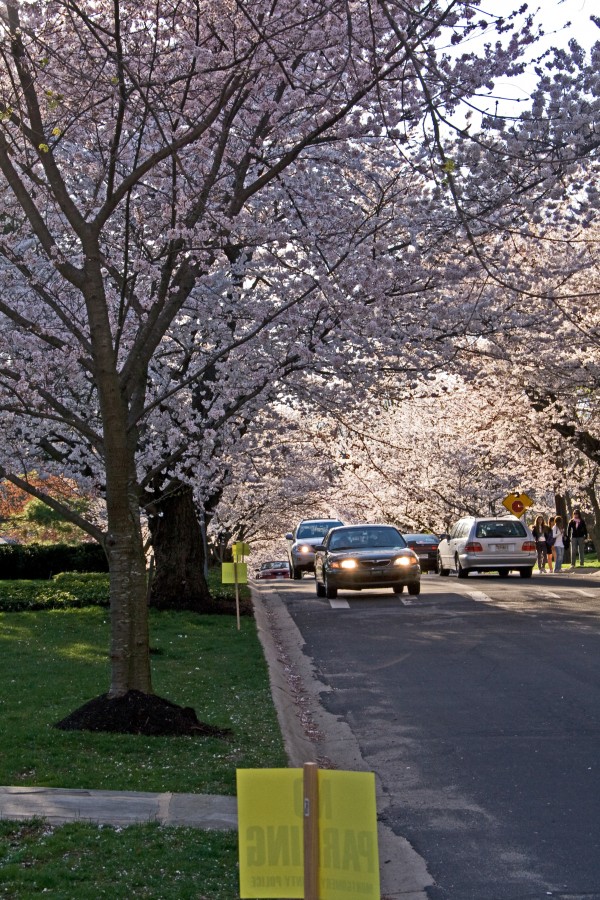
x,y
372,553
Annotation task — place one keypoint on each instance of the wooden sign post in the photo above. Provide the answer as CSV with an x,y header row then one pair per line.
x,y
310,808
236,573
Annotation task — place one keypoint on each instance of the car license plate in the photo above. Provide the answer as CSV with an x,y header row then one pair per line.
x,y
424,556
503,547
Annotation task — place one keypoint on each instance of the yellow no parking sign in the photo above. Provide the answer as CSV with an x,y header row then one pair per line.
x,y
270,824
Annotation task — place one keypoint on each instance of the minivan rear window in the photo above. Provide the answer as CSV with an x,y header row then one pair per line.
x,y
500,530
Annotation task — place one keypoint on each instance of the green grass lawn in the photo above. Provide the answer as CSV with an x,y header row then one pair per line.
x,y
85,862
53,661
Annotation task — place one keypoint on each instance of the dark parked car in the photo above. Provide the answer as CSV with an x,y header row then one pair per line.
x,y
357,557
425,546
273,570
301,549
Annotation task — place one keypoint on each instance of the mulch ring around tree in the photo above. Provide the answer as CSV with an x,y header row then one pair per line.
x,y
139,713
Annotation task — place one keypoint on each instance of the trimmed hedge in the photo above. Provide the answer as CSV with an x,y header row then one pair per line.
x,y
61,592
37,561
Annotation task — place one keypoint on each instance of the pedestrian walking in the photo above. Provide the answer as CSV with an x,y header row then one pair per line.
x,y
577,533
540,531
558,532
550,543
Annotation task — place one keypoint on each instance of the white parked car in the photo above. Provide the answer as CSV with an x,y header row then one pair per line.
x,y
487,545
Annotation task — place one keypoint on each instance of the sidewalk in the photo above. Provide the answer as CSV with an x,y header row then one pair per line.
x,y
57,806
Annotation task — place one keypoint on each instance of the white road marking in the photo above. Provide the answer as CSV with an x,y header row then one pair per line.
x,y
584,593
339,604
480,596
551,596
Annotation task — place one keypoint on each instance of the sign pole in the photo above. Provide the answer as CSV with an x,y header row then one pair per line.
x,y
311,830
237,594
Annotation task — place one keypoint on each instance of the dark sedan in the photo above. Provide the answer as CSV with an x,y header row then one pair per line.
x,y
362,557
425,546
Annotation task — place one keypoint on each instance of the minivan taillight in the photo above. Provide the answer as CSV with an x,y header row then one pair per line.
x,y
528,546
473,547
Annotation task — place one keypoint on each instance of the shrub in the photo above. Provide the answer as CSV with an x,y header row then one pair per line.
x,y
63,591
33,561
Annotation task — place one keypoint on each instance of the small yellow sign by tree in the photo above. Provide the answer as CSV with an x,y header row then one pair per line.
x,y
308,833
240,550
517,504
236,572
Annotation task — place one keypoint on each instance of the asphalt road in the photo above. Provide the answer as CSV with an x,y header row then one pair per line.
x,y
477,704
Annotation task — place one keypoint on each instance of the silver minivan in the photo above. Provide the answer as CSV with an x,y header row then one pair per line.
x,y
488,544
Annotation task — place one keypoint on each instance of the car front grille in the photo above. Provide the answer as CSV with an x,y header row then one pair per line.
x,y
374,563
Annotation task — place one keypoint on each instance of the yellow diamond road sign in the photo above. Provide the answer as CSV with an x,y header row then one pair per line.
x,y
517,503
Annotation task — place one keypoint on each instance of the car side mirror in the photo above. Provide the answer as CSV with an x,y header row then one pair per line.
x,y
319,547
444,536
289,536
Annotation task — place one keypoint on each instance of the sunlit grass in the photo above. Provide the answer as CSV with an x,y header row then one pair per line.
x,y
54,661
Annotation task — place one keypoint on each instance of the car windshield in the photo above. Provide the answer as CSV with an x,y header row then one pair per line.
x,y
315,529
500,529
275,565
422,538
364,538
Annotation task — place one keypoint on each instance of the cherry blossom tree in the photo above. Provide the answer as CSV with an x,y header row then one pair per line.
x,y
449,449
201,199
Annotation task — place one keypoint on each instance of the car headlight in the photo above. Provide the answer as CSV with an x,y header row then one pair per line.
x,y
404,561
344,564
305,548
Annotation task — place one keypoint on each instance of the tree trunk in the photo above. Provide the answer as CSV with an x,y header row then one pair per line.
x,y
129,652
563,510
594,527
130,642
179,581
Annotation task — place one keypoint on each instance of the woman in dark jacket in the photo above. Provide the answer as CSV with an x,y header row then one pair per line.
x,y
577,533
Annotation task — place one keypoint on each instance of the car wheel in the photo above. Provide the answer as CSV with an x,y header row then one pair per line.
x,y
440,568
503,573
330,592
462,573
297,574
414,588
526,573
398,588
320,588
